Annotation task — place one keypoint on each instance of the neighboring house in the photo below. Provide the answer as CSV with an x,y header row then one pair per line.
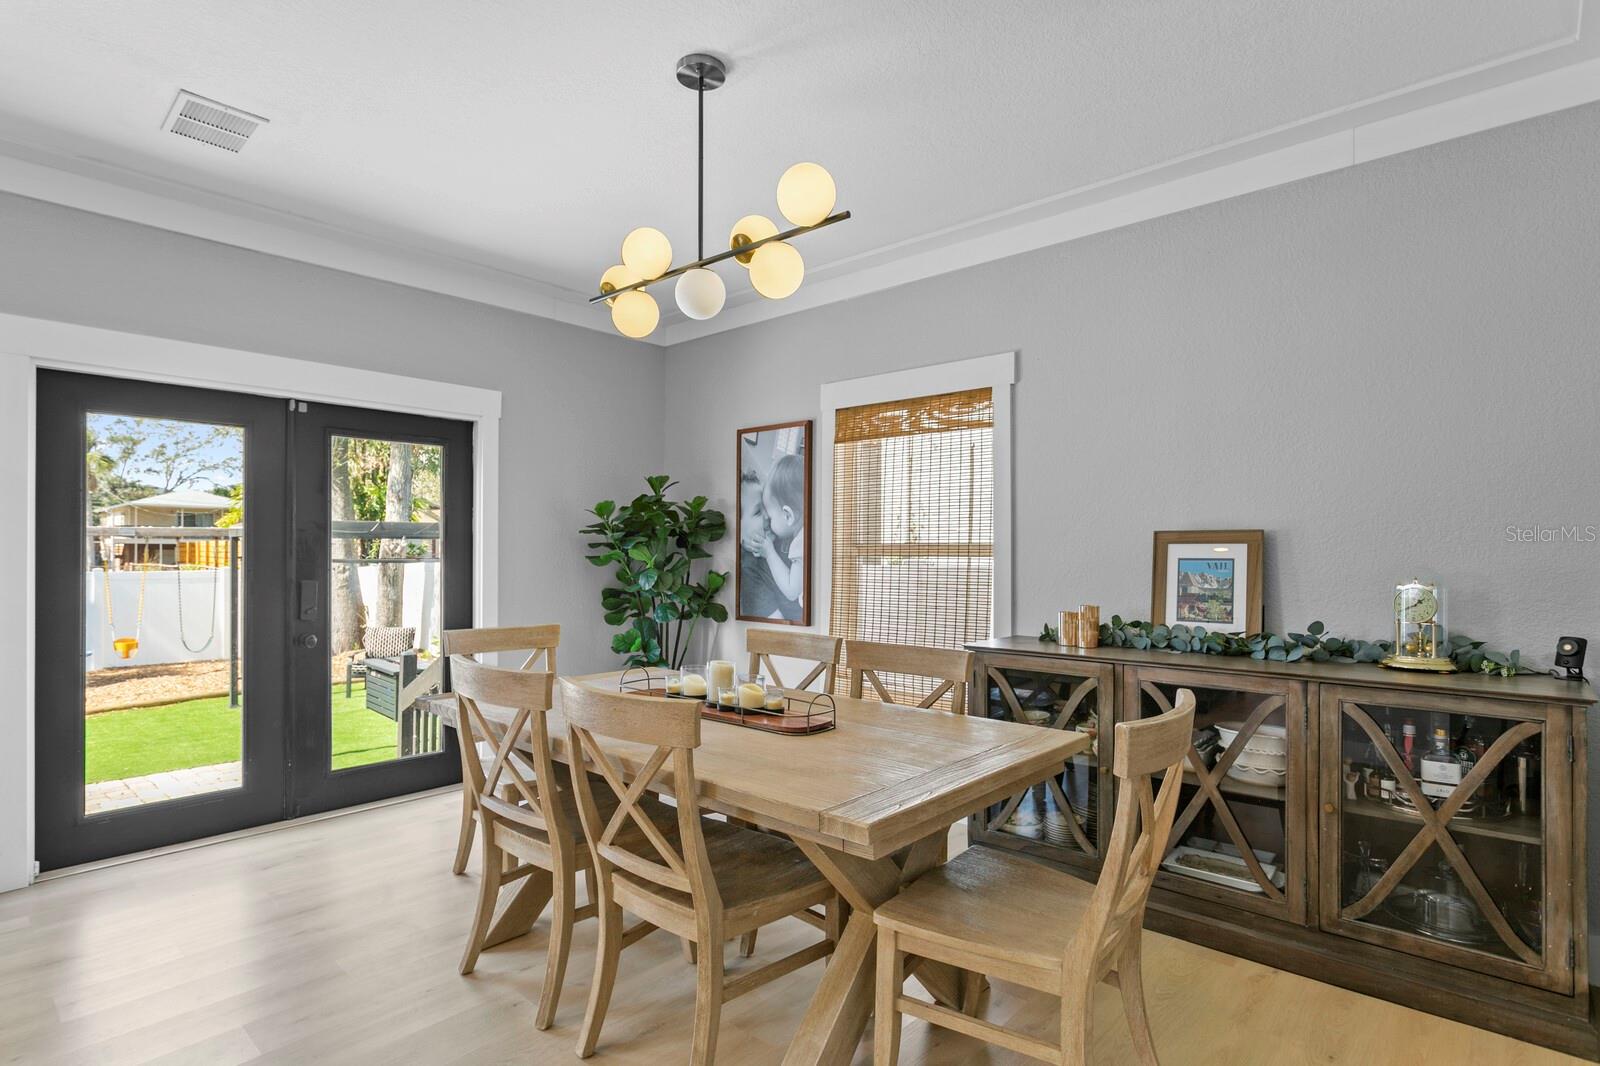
x,y
182,509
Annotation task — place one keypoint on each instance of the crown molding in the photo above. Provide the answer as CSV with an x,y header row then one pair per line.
x,y
1273,159
118,192
1554,77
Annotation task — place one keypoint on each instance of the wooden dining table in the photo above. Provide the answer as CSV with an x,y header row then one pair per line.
x,y
869,802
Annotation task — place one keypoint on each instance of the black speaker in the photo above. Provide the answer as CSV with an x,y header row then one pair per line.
x,y
1569,657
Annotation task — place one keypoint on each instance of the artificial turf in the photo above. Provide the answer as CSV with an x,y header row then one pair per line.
x,y
175,736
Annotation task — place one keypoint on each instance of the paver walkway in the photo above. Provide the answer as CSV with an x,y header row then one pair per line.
x,y
155,788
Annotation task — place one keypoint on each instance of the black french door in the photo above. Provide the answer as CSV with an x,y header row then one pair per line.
x,y
238,597
388,584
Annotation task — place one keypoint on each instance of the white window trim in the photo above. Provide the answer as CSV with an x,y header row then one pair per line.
x,y
29,344
995,372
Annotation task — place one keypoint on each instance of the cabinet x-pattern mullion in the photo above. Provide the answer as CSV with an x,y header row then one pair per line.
x,y
1435,828
1060,721
1210,791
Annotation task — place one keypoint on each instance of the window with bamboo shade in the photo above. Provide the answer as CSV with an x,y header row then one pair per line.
x,y
913,524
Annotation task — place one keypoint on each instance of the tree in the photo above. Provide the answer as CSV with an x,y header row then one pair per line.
x,y
396,508
150,456
344,629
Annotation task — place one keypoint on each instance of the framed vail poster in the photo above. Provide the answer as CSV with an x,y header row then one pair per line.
x,y
1209,578
773,572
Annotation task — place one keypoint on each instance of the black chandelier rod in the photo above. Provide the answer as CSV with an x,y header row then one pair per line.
x,y
743,249
700,172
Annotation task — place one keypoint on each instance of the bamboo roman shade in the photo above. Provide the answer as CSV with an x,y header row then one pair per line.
x,y
913,523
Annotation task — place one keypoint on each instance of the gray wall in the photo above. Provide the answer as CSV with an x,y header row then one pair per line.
x,y
1382,367
560,382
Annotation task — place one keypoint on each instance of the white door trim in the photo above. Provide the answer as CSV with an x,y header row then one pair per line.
x,y
27,344
997,372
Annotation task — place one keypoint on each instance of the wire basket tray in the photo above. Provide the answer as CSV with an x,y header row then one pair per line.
x,y
803,713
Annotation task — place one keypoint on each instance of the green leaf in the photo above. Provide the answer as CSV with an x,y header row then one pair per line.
x,y
605,508
1315,629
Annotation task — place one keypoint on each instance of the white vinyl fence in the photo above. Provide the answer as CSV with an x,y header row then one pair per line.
x,y
208,612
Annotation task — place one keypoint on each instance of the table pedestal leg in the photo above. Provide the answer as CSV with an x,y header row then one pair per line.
x,y
838,1013
527,903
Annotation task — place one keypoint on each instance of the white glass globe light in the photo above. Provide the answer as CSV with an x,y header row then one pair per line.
x,y
805,194
647,252
754,227
635,314
776,270
618,277
700,293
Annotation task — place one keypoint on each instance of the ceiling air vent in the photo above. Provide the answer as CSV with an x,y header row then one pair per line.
x,y
211,123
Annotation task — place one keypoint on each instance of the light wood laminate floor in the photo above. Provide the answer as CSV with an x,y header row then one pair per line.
x,y
337,941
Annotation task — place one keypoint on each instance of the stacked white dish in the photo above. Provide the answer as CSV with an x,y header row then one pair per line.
x,y
1056,830
1265,758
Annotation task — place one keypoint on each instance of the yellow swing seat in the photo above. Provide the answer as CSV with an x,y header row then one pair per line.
x,y
126,646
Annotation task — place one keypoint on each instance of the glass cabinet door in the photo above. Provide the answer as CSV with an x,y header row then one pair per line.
x,y
1059,818
1238,837
1441,830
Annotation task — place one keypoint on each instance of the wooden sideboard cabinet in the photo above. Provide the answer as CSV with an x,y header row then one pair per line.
x,y
1416,837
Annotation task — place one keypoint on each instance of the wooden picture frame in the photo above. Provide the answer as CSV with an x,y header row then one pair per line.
x,y
761,590
1241,550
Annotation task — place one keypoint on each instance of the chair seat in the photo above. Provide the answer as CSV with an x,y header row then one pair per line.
x,y
760,877
990,902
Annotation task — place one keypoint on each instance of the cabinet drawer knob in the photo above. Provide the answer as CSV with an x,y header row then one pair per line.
x,y
1327,808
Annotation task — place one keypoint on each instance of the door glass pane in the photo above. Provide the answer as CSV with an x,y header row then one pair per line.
x,y
1234,835
164,535
1495,826
1061,813
386,596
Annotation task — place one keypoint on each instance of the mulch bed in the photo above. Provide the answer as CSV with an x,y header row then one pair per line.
x,y
153,685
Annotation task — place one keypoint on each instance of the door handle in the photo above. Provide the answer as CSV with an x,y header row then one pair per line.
x,y
307,640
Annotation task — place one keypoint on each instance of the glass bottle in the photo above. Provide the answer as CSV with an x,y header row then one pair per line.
x,y
1408,751
1441,770
1524,907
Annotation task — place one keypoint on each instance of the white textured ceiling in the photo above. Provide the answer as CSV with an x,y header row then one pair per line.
x,y
530,136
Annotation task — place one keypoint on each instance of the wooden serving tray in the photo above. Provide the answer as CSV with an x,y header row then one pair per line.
x,y
819,721
787,724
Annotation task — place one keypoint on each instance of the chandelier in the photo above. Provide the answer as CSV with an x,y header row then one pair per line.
x,y
805,197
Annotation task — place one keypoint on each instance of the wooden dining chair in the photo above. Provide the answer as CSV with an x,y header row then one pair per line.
x,y
818,649
865,659
530,827
539,642
1043,928
821,651
703,880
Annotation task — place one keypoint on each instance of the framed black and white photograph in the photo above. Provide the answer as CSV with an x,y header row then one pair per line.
x,y
773,572
1209,578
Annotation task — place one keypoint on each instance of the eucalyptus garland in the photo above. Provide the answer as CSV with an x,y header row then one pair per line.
x,y
1315,644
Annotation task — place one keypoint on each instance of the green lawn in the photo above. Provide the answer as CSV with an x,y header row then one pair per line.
x,y
149,740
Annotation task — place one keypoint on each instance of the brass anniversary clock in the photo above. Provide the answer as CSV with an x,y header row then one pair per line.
x,y
1420,641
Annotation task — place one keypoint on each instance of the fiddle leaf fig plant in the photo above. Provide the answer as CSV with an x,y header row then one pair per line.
x,y
651,544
